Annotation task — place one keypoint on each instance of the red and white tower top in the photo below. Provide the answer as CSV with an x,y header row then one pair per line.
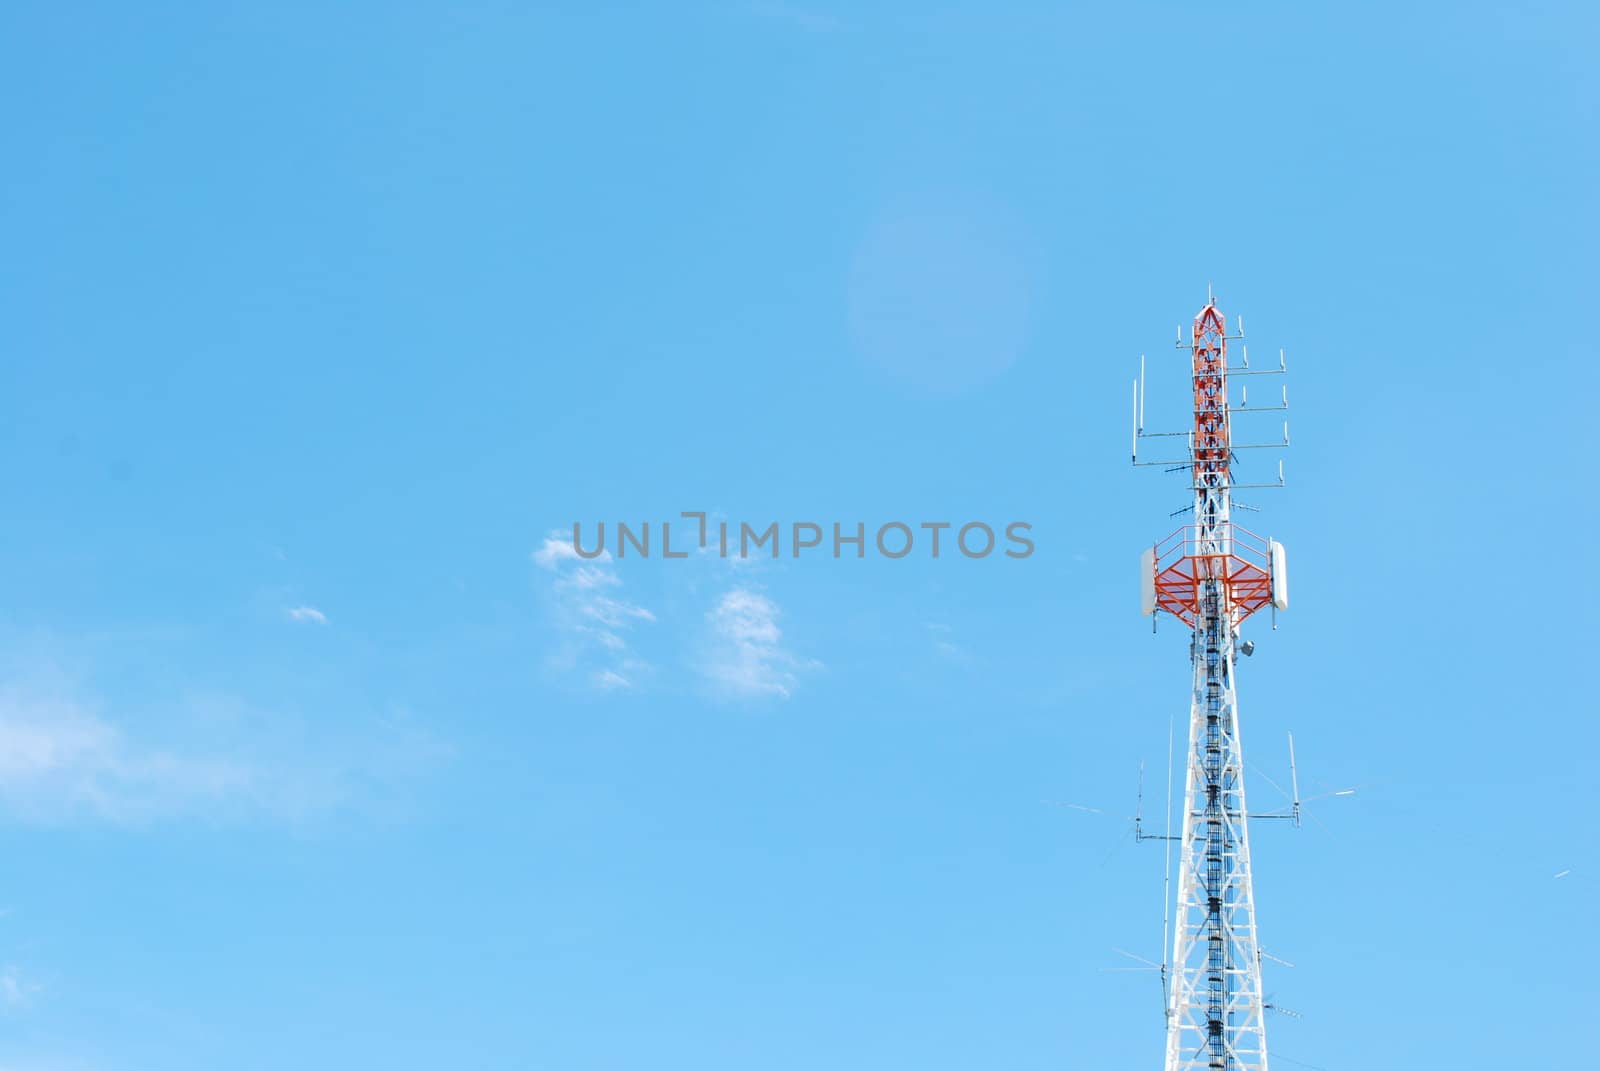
x,y
1249,568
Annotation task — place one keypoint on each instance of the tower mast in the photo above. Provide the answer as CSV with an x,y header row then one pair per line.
x,y
1212,574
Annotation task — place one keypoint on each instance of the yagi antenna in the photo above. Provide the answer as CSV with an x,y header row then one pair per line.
x,y
1281,1010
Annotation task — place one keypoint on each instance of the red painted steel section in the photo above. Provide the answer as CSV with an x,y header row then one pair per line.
x,y
1245,572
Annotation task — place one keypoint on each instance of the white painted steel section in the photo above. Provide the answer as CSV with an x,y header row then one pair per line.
x,y
1216,1007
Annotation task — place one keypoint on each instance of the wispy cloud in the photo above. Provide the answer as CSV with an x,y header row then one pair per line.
x,y
16,989
62,760
309,615
746,656
944,644
610,679
59,759
557,548
592,616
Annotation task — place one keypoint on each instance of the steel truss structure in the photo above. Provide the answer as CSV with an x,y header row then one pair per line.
x,y
1212,575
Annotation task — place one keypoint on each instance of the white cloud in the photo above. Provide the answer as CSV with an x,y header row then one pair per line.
x,y
612,613
307,614
58,758
593,618
16,990
610,679
747,657
63,760
557,548
587,576
947,648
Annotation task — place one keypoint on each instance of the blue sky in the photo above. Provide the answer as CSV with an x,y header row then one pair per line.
x,y
319,319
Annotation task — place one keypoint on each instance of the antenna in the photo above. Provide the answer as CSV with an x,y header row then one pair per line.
x,y
1334,793
1281,1010
1166,879
1148,964
1294,782
1138,806
1136,422
1296,811
1138,814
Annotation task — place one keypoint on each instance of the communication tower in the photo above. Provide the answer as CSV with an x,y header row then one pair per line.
x,y
1212,574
